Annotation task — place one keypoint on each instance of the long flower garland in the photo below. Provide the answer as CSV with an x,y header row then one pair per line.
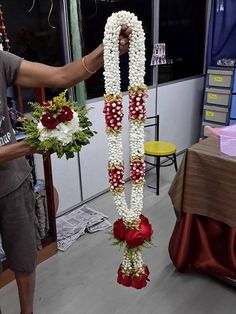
x,y
132,229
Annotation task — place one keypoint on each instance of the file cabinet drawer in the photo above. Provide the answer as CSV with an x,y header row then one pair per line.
x,y
221,97
220,78
216,114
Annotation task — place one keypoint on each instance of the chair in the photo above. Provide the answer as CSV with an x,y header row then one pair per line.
x,y
158,149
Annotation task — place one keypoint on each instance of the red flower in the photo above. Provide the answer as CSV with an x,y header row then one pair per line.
x,y
139,281
119,230
66,114
146,270
49,121
146,230
123,279
134,238
144,218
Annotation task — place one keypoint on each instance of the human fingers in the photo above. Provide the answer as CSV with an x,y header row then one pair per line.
x,y
124,41
126,30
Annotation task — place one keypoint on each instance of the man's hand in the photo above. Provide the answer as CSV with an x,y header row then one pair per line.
x,y
124,39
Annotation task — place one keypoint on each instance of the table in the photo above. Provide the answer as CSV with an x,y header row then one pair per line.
x,y
203,194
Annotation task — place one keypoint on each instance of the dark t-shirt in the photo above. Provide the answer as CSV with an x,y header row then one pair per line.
x,y
14,172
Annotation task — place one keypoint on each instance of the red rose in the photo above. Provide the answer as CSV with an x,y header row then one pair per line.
x,y
134,238
139,281
143,218
122,279
49,121
119,230
146,229
66,114
146,270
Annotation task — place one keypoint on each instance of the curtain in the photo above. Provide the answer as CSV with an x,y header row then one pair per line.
x,y
222,31
76,45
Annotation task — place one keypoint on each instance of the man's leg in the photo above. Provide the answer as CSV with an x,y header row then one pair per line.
x,y
17,226
26,283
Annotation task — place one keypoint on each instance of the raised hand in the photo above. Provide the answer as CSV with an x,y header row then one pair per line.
x,y
124,39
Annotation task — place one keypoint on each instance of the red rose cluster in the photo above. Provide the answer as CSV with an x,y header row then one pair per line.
x,y
137,110
116,175
133,237
50,120
113,114
138,281
137,171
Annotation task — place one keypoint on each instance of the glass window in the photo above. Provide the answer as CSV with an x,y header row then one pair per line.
x,y
94,17
182,28
34,36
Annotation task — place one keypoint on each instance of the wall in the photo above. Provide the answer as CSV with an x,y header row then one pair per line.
x,y
65,179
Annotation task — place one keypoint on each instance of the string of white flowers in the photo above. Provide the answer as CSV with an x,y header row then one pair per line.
x,y
112,86
114,114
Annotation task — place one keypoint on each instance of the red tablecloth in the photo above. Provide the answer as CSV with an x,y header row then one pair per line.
x,y
203,244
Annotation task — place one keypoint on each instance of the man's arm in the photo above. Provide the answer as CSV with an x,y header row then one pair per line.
x,y
32,74
13,151
39,75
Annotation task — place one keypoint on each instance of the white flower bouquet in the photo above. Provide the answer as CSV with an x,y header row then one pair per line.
x,y
58,126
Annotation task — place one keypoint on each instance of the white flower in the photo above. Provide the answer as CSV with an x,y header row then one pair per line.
x,y
63,131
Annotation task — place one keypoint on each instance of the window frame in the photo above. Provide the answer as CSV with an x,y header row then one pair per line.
x,y
156,26
155,39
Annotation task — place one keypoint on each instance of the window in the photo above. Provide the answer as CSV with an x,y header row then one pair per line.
x,y
94,17
34,36
182,28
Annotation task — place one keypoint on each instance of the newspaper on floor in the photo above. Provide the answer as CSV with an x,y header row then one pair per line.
x,y
73,225
100,226
64,244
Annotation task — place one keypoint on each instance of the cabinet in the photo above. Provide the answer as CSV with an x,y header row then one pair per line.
x,y
219,107
49,244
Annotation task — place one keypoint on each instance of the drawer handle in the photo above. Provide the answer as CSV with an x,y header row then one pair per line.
x,y
210,114
218,79
212,96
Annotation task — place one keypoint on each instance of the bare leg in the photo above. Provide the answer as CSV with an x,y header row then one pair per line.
x,y
26,283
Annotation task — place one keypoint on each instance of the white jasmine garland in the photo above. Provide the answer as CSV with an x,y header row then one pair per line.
x,y
132,264
112,87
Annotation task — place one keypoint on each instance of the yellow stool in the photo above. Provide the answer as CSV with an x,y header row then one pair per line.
x,y
158,149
